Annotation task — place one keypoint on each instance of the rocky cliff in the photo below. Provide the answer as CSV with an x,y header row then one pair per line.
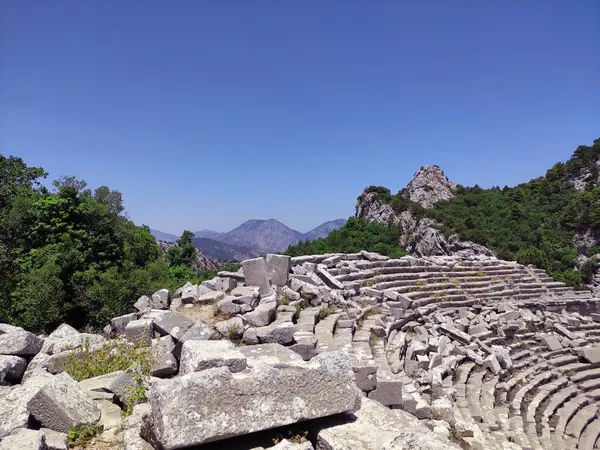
x,y
418,234
429,186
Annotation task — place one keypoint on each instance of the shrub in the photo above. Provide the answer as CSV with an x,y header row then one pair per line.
x,y
116,354
137,394
80,436
324,312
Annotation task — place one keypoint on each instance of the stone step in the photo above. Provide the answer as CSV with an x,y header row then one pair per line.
x,y
526,389
324,333
473,394
566,412
389,386
586,375
590,435
580,421
487,400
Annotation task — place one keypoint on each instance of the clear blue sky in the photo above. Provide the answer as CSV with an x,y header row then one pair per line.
x,y
208,113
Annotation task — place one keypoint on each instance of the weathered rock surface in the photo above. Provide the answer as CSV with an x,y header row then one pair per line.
x,y
215,404
429,186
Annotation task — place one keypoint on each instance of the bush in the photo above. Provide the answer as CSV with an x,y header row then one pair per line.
x,y
80,436
116,354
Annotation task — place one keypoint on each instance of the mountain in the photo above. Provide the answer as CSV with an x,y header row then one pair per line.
x,y
251,239
208,234
264,236
162,236
223,251
323,230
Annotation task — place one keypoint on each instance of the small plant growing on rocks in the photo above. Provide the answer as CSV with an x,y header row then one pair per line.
x,y
284,301
137,394
116,354
234,331
372,312
80,436
480,274
324,312
373,340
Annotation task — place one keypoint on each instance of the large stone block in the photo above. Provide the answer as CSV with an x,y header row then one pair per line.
x,y
376,427
118,324
255,274
61,404
276,333
198,332
140,331
164,362
215,404
20,343
24,439
160,299
12,369
278,269
262,316
173,323
203,355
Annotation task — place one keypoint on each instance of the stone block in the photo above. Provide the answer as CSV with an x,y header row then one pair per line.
x,y
198,332
589,354
12,369
210,297
24,439
276,333
140,331
255,274
61,404
262,315
164,364
278,269
119,323
173,323
202,355
160,299
143,304
55,440
190,410
20,343
551,341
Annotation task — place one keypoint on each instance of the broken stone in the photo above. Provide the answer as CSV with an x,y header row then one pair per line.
x,y
198,332
61,404
12,369
164,363
24,439
143,304
202,355
20,343
255,274
190,410
276,333
140,331
278,269
173,323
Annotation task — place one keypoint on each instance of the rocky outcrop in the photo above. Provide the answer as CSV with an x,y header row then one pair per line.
x,y
418,235
429,186
421,238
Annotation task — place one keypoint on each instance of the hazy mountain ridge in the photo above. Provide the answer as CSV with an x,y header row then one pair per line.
x,y
252,238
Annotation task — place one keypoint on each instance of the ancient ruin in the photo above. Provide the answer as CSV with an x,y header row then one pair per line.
x,y
357,350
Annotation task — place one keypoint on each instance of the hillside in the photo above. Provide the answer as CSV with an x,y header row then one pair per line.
x,y
552,221
222,250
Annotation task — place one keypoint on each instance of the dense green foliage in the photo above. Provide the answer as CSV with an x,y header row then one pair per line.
x,y
71,255
356,235
534,222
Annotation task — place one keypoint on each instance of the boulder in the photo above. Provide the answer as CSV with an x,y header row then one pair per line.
x,y
61,404
55,440
278,269
255,274
202,355
160,299
589,354
63,331
164,362
140,331
551,341
143,304
262,315
231,328
229,306
20,343
118,324
276,333
210,297
12,369
198,332
24,439
376,427
215,404
173,323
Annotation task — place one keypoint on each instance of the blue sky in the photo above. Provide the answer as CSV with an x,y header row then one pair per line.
x,y
205,114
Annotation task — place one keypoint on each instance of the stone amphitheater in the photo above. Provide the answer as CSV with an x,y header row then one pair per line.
x,y
339,351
